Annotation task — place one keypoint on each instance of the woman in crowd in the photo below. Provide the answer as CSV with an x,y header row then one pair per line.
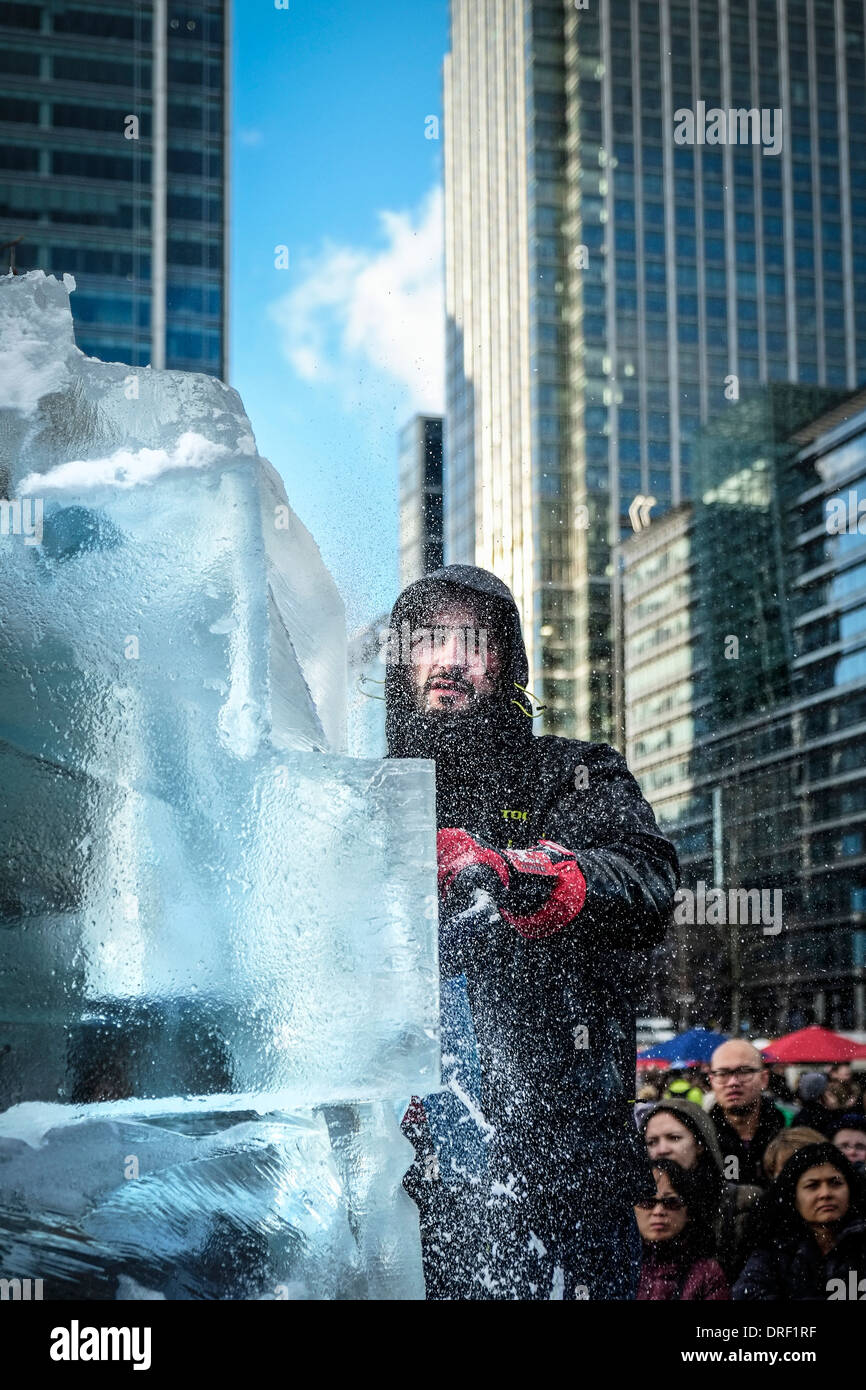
x,y
676,1228
683,1132
809,1231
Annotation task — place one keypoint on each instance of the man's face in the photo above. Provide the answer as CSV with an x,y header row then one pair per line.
x,y
852,1142
841,1072
457,667
738,1076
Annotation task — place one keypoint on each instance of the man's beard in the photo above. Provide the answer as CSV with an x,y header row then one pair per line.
x,y
468,735
446,707
476,716
743,1107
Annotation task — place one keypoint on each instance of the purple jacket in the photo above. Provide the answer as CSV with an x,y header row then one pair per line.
x,y
663,1277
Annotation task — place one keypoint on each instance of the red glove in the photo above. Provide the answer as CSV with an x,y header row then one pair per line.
x,y
456,850
551,861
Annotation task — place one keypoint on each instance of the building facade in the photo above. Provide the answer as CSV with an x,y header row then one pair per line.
x,y
420,483
620,262
745,690
114,163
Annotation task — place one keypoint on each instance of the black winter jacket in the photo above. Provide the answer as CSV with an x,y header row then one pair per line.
x,y
749,1156
553,1005
787,1263
796,1270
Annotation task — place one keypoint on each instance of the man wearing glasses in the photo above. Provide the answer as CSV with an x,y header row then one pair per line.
x,y
745,1118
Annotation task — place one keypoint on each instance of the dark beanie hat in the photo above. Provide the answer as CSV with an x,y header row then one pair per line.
x,y
852,1119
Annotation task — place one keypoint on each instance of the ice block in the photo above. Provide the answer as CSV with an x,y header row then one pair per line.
x,y
205,904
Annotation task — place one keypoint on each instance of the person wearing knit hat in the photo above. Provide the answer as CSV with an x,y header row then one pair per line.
x,y
813,1112
812,1086
809,1231
683,1132
848,1133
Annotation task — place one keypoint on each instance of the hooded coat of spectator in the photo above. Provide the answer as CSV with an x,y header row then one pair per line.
x,y
729,1202
575,882
788,1263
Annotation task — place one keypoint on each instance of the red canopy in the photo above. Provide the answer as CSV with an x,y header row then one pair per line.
x,y
814,1045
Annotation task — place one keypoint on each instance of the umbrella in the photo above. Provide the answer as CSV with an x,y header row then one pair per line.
x,y
813,1045
652,1063
697,1045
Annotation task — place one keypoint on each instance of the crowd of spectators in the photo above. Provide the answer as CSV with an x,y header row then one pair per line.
x,y
760,1189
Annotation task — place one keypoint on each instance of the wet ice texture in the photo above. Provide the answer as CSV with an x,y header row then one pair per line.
x,y
199,896
210,1206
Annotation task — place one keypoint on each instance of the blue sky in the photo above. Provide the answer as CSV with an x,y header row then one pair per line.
x,y
333,354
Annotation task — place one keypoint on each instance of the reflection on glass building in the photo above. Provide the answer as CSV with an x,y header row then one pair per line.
x,y
420,484
113,151
745,695
608,289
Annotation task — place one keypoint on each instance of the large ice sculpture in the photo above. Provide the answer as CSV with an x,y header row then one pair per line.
x,y
218,930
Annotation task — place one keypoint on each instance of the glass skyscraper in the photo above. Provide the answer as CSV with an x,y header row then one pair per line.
x,y
745,685
113,163
420,482
611,285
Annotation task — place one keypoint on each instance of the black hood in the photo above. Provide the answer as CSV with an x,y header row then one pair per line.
x,y
464,746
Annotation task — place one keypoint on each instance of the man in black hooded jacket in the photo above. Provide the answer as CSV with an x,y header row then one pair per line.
x,y
553,881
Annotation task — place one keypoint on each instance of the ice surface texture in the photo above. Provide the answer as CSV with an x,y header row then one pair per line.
x,y
199,894
210,1205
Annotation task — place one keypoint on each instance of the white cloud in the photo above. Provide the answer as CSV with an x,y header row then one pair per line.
x,y
358,313
129,467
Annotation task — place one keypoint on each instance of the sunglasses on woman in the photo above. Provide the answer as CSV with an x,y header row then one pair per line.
x,y
669,1203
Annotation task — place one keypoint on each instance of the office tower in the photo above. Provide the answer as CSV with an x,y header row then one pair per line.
x,y
651,205
114,161
420,497
745,684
